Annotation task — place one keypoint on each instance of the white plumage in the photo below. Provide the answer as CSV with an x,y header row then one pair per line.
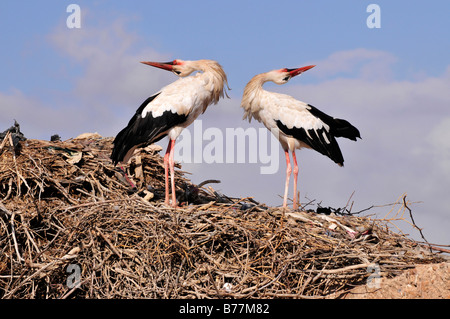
x,y
172,109
296,124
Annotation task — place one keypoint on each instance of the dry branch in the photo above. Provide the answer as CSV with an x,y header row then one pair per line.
x,y
67,199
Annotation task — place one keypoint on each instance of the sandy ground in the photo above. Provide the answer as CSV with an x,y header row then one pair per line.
x,y
430,281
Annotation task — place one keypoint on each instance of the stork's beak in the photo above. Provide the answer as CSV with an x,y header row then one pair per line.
x,y
294,72
162,65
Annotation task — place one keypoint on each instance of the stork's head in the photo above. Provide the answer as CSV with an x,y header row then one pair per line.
x,y
282,76
179,67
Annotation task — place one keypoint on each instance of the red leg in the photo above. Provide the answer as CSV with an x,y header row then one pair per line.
x,y
127,178
172,173
166,170
296,199
288,174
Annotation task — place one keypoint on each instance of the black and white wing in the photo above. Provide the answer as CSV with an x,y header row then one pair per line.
x,y
312,127
145,128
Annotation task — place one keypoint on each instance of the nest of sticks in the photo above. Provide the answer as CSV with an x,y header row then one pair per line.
x,y
74,226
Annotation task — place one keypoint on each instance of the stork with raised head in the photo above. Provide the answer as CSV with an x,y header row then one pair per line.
x,y
296,124
169,111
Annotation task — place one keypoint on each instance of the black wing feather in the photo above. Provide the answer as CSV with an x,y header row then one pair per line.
x,y
338,127
316,140
144,131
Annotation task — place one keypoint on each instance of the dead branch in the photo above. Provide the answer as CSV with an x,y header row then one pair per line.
x,y
66,199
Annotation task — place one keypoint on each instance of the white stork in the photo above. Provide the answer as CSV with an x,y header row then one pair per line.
x,y
170,110
296,124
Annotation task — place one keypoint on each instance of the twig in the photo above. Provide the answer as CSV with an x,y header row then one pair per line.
x,y
213,282
276,278
414,223
178,276
110,244
64,259
13,234
4,210
334,271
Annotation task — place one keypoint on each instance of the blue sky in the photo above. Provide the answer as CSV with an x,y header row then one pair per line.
x,y
254,34
392,83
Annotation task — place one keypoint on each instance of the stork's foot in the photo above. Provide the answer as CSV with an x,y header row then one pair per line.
x,y
125,179
170,204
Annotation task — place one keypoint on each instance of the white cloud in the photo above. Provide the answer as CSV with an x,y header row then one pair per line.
x,y
36,119
368,64
439,146
107,87
110,60
113,82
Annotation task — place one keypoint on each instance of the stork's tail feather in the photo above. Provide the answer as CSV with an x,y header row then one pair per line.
x,y
342,128
338,127
122,146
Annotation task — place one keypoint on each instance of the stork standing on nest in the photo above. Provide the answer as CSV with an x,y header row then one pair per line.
x,y
171,110
296,124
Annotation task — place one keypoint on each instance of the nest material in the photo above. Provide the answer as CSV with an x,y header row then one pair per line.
x,y
74,226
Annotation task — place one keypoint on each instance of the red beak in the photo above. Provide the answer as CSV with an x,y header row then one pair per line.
x,y
294,72
162,65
